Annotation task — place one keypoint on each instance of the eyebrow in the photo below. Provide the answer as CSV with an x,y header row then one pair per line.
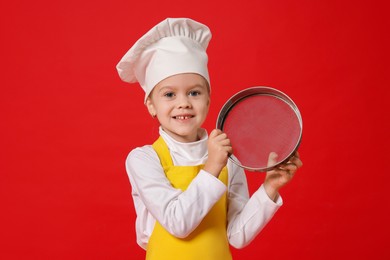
x,y
197,85
164,87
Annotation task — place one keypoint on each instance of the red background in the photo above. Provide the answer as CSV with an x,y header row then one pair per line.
x,y
68,122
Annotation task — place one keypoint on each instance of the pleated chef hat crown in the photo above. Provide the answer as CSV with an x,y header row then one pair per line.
x,y
174,46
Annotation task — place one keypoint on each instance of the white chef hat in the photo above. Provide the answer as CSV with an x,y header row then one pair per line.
x,y
174,46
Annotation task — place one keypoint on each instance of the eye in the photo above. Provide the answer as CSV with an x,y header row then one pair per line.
x,y
169,94
194,93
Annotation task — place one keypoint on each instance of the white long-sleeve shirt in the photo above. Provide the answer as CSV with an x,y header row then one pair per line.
x,y
180,212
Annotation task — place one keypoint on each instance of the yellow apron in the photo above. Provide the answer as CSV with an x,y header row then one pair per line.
x,y
209,240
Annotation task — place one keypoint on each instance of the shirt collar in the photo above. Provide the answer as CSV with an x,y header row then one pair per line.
x,y
194,151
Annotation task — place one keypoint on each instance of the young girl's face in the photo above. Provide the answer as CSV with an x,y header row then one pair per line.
x,y
181,103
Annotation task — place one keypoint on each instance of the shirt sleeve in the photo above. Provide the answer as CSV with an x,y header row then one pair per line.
x,y
247,216
179,212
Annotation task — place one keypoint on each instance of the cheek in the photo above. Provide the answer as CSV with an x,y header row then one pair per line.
x,y
163,110
207,101
205,107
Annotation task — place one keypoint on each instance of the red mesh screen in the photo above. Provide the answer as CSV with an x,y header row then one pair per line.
x,y
260,124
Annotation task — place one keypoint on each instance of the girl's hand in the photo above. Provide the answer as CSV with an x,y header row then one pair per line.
x,y
219,149
281,175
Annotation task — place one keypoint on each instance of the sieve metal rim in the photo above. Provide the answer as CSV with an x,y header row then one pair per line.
x,y
259,90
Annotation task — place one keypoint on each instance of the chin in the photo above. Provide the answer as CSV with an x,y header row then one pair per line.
x,y
187,137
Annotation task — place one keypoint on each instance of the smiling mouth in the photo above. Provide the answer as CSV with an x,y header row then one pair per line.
x,y
184,117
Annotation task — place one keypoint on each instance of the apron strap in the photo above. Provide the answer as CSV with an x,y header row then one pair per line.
x,y
162,151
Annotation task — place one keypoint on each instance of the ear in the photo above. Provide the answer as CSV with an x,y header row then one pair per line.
x,y
151,108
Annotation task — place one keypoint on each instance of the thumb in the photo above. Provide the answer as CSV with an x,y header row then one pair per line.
x,y
215,132
272,159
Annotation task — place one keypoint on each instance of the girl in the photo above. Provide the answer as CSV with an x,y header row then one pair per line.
x,y
191,201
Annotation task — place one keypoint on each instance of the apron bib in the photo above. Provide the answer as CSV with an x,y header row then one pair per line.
x,y
209,240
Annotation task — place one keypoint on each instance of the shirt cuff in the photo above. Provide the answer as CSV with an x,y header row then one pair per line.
x,y
210,180
263,196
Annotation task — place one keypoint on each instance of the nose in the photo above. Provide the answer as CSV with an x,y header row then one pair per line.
x,y
183,102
